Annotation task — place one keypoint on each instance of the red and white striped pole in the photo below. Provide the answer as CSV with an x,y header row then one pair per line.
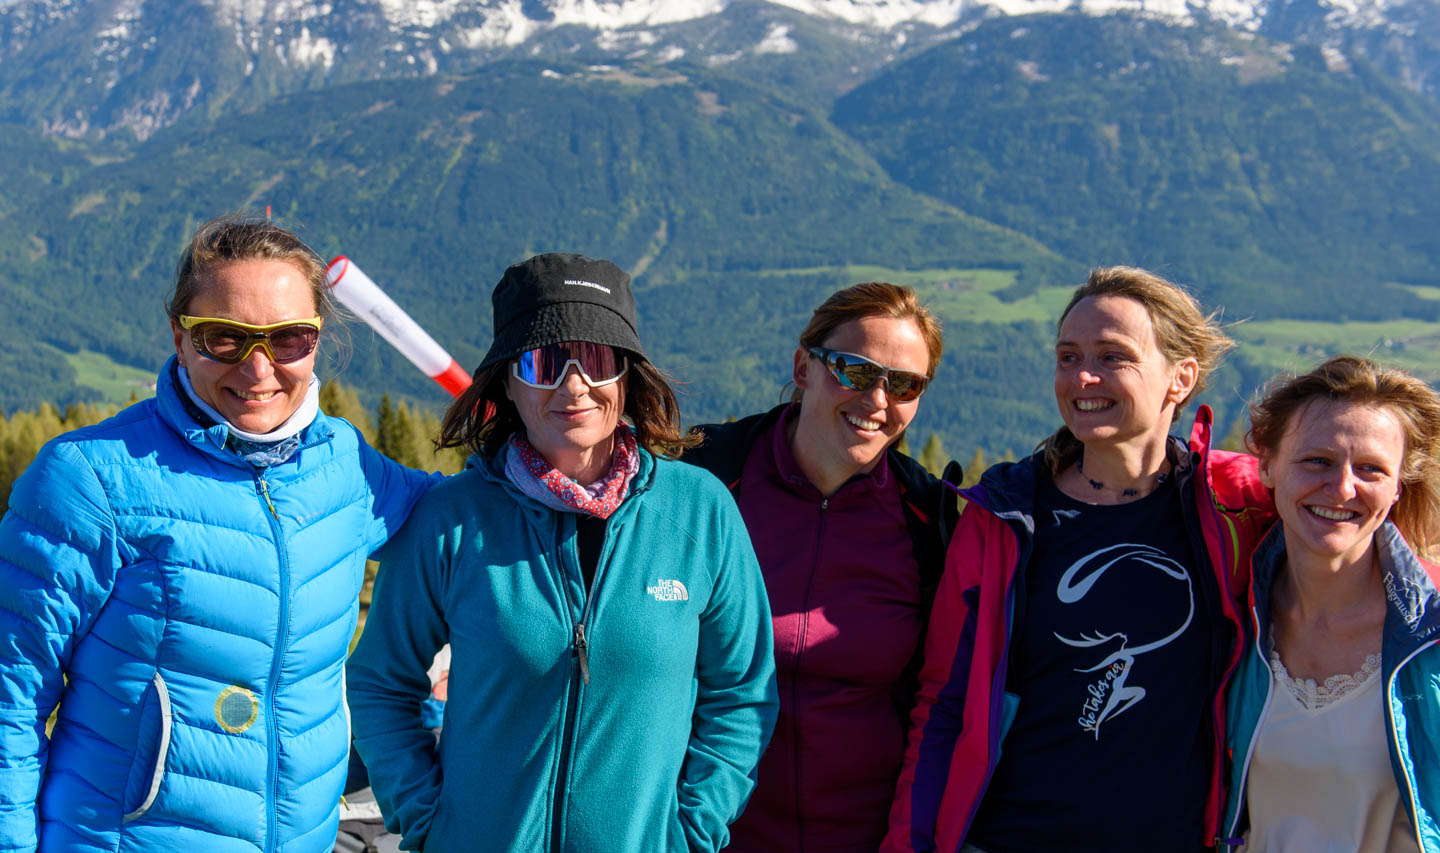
x,y
360,294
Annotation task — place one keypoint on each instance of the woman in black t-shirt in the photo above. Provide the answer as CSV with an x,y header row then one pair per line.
x,y
1086,616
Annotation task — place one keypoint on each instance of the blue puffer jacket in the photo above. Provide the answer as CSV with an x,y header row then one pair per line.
x,y
199,611
1409,665
629,718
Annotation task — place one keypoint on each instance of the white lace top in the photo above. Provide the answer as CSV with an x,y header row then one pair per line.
x,y
1320,779
1314,696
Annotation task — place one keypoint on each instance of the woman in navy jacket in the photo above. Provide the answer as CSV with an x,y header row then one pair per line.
x,y
1073,688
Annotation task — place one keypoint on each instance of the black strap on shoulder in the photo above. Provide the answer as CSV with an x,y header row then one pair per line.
x,y
726,446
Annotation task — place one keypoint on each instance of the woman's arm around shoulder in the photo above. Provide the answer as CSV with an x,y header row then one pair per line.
x,y
59,553
394,490
386,679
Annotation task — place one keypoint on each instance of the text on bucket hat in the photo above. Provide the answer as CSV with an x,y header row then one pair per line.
x,y
559,297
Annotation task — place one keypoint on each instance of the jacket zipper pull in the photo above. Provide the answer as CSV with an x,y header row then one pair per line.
x,y
582,651
265,493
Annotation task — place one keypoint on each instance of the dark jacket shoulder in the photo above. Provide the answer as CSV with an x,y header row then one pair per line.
x,y
930,504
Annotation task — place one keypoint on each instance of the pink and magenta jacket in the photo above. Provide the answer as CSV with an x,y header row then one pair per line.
x,y
963,710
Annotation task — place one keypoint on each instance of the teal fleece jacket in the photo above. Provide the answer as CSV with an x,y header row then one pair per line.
x,y
656,751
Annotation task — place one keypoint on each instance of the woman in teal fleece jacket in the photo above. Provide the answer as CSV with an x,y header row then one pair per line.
x,y
612,685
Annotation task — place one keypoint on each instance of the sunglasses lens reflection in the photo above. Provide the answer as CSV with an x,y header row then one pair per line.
x,y
223,342
544,367
903,386
861,374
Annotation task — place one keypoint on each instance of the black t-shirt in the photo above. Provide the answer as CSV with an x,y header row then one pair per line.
x,y
589,538
1112,661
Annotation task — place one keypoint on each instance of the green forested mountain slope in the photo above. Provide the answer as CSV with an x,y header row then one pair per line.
x,y
733,205
1296,189
1281,180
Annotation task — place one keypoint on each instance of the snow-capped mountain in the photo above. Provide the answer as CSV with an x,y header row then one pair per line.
x,y
89,68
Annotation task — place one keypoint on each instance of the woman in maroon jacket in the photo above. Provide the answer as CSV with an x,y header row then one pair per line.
x,y
849,532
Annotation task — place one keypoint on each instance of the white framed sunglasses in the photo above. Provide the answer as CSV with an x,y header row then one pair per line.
x,y
545,367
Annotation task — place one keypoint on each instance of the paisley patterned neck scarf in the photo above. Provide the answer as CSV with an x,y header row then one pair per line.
x,y
528,470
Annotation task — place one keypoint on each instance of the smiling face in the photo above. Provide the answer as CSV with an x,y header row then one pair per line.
x,y
841,432
572,426
257,395
1112,384
1336,474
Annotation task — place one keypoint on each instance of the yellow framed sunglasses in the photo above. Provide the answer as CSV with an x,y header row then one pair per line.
x,y
231,342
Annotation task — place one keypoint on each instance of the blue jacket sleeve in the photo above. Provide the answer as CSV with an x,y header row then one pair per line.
x,y
394,490
736,701
58,557
387,683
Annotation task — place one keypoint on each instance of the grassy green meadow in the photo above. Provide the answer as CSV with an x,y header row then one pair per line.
x,y
116,383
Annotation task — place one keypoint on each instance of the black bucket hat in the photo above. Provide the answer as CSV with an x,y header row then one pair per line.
x,y
559,297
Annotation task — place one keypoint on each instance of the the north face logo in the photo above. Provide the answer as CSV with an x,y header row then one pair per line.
x,y
668,590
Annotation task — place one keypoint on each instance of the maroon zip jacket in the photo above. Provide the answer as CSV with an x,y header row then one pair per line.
x,y
849,603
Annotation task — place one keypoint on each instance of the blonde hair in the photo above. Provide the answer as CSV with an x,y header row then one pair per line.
x,y
1360,382
230,238
1182,331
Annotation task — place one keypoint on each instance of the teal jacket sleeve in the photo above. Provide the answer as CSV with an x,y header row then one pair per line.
x,y
386,679
58,558
394,489
736,702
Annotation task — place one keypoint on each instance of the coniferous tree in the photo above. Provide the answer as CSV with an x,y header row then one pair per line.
x,y
387,434
451,460
974,469
24,433
932,455
1235,438
339,400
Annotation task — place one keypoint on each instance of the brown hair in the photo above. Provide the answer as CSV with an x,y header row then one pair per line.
x,y
233,237
872,299
1182,331
483,418
1360,382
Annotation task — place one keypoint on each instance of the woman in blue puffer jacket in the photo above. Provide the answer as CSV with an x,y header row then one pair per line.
x,y
182,580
